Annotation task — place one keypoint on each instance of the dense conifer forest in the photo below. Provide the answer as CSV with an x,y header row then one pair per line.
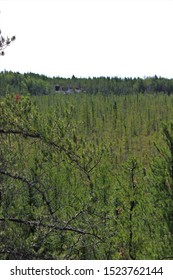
x,y
86,167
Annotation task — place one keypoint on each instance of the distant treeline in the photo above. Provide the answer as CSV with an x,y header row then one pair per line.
x,y
36,84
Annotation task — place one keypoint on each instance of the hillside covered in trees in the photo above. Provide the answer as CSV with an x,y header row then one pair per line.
x,y
86,175
36,84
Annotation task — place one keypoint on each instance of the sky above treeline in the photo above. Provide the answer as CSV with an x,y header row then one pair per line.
x,y
88,38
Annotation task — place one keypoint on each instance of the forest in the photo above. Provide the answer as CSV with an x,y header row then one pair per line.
x,y
89,175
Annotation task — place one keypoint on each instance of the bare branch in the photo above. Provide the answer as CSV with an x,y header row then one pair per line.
x,y
4,43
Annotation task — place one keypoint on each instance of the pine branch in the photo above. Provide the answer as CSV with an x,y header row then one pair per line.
x,y
30,184
70,154
49,226
22,133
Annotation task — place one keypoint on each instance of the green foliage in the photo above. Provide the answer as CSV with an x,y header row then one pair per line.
x,y
37,85
162,168
81,178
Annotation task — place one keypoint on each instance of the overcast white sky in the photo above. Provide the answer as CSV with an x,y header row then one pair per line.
x,y
86,38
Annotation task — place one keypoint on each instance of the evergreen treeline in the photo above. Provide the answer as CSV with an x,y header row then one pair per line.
x,y
36,84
